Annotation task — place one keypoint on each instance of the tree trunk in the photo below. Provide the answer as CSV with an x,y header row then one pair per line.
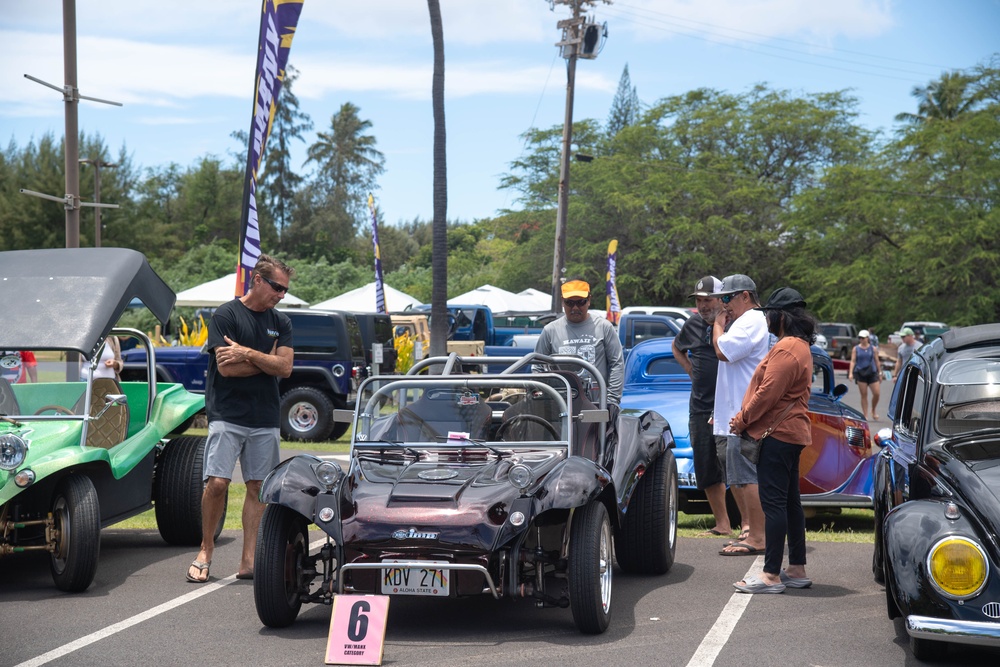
x,y
439,265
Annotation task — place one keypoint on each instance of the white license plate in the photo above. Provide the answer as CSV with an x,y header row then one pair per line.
x,y
423,580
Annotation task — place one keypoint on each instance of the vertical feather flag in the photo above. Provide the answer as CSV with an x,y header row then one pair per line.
x,y
614,306
277,28
379,287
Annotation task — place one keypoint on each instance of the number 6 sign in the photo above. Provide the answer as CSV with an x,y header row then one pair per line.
x,y
357,630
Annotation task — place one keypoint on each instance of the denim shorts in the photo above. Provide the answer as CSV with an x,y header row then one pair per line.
x,y
256,448
739,470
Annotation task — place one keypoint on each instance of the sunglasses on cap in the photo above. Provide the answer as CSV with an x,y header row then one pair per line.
x,y
277,287
575,303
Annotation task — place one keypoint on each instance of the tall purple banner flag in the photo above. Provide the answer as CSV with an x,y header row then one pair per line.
x,y
611,286
277,28
379,287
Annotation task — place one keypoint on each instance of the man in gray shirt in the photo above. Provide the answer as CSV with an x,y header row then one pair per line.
x,y
580,335
905,350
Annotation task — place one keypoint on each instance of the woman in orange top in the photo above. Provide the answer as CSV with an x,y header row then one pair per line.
x,y
778,399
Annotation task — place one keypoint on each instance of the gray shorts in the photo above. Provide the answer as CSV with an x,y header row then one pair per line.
x,y
739,470
256,448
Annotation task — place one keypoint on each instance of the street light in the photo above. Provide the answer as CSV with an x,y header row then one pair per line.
x,y
97,164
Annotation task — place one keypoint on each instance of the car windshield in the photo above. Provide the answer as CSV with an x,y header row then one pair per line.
x,y
969,396
465,411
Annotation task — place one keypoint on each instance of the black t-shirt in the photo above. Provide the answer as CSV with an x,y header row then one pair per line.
x,y
246,401
695,338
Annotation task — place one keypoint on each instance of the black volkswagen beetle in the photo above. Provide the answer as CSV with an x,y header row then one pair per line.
x,y
937,482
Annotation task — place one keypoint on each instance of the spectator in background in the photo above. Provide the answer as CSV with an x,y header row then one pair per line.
x,y
110,364
18,366
741,340
905,350
694,352
865,371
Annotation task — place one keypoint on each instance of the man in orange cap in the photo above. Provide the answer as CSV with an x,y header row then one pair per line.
x,y
593,339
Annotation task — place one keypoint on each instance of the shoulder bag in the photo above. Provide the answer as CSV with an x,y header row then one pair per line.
x,y
750,447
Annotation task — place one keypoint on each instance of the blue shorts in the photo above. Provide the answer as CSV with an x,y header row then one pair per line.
x,y
256,448
739,470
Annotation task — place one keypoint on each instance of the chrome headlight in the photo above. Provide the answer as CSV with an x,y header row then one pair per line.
x,y
958,567
328,473
13,450
519,476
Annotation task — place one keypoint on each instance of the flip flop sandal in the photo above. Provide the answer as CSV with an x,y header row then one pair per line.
x,y
755,585
201,567
795,582
712,532
745,550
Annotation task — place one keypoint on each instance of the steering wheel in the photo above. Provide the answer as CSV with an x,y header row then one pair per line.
x,y
541,421
60,410
408,417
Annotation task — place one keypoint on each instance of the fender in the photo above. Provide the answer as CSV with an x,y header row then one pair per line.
x,y
293,484
910,531
572,483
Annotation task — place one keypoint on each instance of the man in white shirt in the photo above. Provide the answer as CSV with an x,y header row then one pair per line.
x,y
741,341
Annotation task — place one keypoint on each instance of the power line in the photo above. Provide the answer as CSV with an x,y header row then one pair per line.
x,y
761,49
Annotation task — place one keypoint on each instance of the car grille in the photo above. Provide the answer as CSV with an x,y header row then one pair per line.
x,y
855,436
992,609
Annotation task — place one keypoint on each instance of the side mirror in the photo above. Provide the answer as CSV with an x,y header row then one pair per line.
x,y
839,390
112,400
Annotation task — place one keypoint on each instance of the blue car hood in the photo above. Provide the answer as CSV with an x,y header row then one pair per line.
x,y
672,405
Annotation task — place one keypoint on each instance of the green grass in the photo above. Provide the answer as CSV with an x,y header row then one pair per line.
x,y
849,525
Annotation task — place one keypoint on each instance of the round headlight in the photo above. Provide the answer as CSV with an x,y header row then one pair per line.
x,y
958,567
13,449
328,473
519,475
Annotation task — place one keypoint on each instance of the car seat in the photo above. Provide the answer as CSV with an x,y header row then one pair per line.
x,y
586,437
439,411
8,401
111,427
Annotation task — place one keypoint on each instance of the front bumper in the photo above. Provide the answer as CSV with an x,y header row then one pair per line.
x,y
976,633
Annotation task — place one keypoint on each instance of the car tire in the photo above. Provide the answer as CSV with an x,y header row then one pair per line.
x,y
279,562
306,414
77,516
590,568
647,542
178,487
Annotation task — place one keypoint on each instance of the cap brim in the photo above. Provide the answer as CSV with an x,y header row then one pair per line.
x,y
700,294
576,295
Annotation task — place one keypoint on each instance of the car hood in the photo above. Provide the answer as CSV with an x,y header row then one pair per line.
x,y
674,406
464,501
69,298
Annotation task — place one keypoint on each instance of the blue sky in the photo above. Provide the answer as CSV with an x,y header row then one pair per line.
x,y
186,78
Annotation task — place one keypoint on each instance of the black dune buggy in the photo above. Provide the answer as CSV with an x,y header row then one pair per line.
x,y
498,484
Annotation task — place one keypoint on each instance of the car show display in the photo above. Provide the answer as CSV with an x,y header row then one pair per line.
x,y
937,511
498,484
79,452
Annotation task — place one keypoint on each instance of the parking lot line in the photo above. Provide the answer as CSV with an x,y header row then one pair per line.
x,y
115,628
720,632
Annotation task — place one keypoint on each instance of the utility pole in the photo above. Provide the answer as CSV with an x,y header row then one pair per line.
x,y
580,39
97,164
71,97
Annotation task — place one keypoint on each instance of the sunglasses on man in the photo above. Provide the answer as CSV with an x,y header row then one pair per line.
x,y
726,298
575,303
277,287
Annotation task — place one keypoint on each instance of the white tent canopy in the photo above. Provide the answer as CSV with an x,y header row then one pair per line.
x,y
362,300
217,292
498,300
541,300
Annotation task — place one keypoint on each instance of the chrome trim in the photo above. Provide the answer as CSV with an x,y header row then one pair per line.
x,y
465,567
976,633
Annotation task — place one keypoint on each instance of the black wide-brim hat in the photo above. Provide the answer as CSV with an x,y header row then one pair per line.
x,y
784,298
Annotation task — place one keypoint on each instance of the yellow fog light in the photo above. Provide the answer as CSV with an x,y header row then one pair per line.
x,y
958,567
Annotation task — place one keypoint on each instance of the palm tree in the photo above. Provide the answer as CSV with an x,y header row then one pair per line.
x,y
439,258
347,159
945,99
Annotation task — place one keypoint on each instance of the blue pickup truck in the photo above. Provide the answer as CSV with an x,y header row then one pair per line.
x,y
329,363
